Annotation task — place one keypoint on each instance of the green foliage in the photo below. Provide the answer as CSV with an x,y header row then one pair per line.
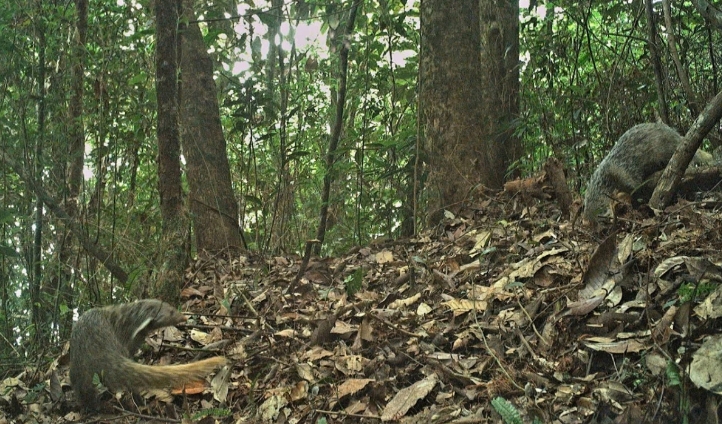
x,y
34,393
8,251
674,379
689,292
585,78
97,381
280,137
354,282
507,410
630,374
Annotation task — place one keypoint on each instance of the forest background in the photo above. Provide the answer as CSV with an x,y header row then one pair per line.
x,y
296,121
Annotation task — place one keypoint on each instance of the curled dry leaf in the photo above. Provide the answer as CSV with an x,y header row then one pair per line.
x,y
711,307
219,384
407,397
201,337
384,257
619,346
600,268
706,368
353,385
583,306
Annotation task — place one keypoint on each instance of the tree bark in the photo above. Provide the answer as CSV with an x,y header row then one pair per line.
x,y
656,62
499,23
175,227
36,268
284,202
76,159
469,87
681,71
212,201
337,126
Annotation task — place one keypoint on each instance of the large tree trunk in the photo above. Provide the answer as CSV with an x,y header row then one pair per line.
x,y
212,202
175,226
469,97
499,23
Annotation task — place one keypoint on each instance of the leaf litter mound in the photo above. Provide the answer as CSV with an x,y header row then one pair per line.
x,y
506,313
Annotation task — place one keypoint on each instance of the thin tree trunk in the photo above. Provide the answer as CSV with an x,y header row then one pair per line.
x,y
656,62
681,72
710,12
36,268
283,207
337,126
672,175
59,285
173,241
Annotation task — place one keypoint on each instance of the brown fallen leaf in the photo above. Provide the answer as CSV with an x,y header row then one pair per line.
x,y
192,388
407,397
353,385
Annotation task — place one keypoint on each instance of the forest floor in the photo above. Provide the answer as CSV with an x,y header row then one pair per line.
x,y
505,313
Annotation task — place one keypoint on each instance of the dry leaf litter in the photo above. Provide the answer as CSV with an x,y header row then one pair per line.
x,y
505,305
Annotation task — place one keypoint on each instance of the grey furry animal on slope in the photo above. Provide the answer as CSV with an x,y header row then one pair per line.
x,y
639,153
104,339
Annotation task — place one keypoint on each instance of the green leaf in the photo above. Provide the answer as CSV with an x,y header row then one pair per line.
x,y
507,410
354,282
8,251
673,377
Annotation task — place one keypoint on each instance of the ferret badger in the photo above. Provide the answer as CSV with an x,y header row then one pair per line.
x,y
103,342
